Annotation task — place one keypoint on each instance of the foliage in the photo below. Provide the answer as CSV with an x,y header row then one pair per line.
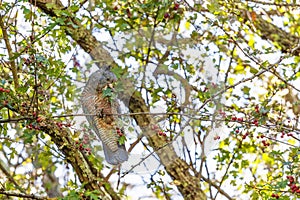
x,y
222,74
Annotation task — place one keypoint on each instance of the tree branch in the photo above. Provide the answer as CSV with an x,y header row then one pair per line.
x,y
29,196
10,52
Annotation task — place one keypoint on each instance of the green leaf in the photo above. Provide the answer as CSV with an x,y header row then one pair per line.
x,y
107,92
122,139
28,136
246,90
253,70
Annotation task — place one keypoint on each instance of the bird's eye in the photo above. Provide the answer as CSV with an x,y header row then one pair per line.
x,y
107,79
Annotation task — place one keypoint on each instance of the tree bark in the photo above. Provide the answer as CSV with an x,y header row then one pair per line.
x,y
92,179
268,31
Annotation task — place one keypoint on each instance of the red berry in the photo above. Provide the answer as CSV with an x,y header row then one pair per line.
x,y
257,108
233,118
240,119
237,130
274,195
166,15
255,122
176,6
290,134
293,186
39,119
128,13
59,124
216,137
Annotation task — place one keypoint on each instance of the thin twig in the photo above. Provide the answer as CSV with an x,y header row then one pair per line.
x,y
29,196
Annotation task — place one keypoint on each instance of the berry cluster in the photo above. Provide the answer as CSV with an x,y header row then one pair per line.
x,y
238,119
245,135
76,63
61,125
33,126
174,8
288,134
222,113
276,196
81,144
119,132
82,148
217,137
158,130
294,188
4,90
265,143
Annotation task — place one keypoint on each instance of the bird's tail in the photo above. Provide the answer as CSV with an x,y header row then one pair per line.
x,y
115,157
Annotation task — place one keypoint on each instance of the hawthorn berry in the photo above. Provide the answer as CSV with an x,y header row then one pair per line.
x,y
290,134
68,125
255,122
166,15
176,6
257,108
291,178
217,137
39,119
275,196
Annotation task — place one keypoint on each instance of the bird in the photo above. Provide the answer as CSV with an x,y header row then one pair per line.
x,y
98,103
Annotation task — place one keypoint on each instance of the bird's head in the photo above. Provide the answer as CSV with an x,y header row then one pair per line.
x,y
102,78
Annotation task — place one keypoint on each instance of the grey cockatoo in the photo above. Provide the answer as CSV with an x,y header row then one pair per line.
x,y
95,102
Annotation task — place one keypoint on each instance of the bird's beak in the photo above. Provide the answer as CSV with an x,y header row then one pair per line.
x,y
110,85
